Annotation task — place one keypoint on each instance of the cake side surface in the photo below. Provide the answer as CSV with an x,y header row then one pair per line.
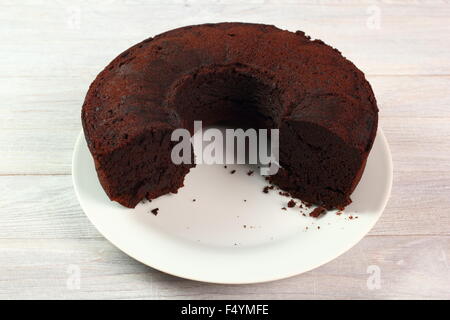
x,y
233,71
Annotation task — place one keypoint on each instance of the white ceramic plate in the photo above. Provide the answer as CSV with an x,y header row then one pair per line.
x,y
221,238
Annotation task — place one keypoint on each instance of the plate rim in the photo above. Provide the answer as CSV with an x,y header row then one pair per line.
x,y
380,134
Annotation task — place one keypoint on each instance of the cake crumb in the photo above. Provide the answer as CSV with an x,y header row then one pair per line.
x,y
284,208
232,171
225,167
266,189
303,214
317,212
339,213
318,227
250,172
291,203
285,194
193,200
155,211
245,226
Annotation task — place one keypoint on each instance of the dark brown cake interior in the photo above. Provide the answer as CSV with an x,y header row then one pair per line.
x,y
232,94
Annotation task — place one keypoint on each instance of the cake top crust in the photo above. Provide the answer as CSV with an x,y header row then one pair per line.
x,y
316,83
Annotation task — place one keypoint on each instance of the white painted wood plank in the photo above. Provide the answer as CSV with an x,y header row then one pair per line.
x,y
412,96
41,207
408,267
416,144
419,144
45,207
40,120
80,38
419,204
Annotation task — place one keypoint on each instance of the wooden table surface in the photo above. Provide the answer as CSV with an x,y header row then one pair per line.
x,y
50,51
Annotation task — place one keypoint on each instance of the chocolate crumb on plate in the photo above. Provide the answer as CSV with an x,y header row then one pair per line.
x,y
250,172
155,211
291,203
232,171
284,208
317,212
266,189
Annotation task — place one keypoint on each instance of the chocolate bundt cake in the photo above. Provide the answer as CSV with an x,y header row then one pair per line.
x,y
252,74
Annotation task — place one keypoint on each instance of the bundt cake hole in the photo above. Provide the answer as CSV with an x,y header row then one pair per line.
x,y
226,94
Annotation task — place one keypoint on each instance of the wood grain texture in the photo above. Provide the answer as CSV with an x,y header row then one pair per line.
x,y
408,267
41,124
411,31
50,51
